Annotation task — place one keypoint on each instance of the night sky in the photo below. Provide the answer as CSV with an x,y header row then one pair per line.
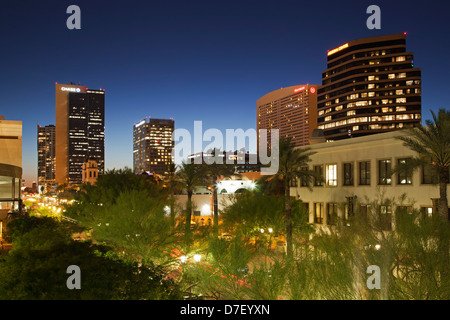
x,y
193,60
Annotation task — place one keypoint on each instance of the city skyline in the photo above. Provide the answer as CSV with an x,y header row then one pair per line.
x,y
213,60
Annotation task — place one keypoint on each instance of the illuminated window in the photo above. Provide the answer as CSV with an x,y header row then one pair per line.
x,y
318,213
384,172
391,76
405,173
351,113
399,109
331,175
400,59
400,100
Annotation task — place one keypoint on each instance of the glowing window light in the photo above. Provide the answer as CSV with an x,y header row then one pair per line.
x,y
337,49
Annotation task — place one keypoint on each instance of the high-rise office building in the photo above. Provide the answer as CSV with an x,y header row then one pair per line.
x,y
370,85
153,145
46,156
80,131
10,167
291,110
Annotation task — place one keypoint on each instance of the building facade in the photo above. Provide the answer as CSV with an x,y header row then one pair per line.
x,y
10,168
371,85
46,157
90,171
357,173
80,131
153,145
291,110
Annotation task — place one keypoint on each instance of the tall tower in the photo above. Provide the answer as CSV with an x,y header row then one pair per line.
x,y
80,131
291,110
153,145
370,85
46,156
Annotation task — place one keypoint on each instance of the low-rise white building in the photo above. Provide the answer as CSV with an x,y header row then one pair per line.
x,y
357,173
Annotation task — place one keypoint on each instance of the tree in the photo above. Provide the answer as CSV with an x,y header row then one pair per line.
x,y
173,185
432,145
190,175
127,211
37,267
291,164
213,172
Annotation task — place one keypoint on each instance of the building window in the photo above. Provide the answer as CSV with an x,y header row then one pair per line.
x,y
348,174
304,181
331,175
426,212
305,208
384,172
319,172
293,182
427,175
364,173
332,212
405,175
364,211
318,213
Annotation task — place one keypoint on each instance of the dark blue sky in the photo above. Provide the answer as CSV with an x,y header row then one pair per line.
x,y
193,60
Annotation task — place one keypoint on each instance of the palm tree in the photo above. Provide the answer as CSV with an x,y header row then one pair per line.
x,y
172,184
432,145
190,176
291,167
213,172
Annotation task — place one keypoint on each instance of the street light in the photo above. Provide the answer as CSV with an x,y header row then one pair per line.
x,y
197,257
183,259
270,230
262,230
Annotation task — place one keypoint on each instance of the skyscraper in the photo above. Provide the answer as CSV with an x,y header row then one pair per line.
x,y
80,131
371,85
291,110
153,145
46,156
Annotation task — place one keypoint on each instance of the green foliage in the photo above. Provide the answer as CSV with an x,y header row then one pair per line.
x,y
39,271
135,222
35,233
